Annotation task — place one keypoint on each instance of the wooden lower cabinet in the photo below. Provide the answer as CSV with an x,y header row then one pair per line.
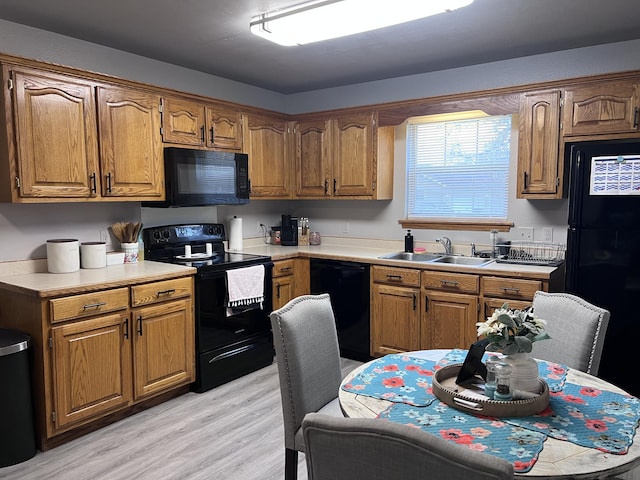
x,y
163,347
449,320
91,368
395,319
414,309
290,280
102,355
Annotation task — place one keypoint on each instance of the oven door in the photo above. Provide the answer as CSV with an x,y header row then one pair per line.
x,y
214,329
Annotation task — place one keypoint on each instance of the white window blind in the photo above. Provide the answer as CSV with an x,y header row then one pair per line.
x,y
458,169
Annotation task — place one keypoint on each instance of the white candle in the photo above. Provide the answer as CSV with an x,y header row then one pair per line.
x,y
187,250
209,248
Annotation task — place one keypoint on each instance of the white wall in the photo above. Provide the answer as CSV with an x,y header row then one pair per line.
x,y
25,228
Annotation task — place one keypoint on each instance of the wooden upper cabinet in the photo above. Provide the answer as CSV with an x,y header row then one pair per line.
x,y
224,128
313,159
353,155
131,150
266,141
183,122
539,161
188,122
344,157
610,107
56,135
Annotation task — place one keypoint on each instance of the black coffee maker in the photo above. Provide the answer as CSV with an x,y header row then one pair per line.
x,y
289,232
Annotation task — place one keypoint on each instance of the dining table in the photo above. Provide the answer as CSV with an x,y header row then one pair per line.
x,y
380,389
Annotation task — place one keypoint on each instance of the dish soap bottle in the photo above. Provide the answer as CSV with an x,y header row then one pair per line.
x,y
408,242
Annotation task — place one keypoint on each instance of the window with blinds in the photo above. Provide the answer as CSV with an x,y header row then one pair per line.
x,y
458,169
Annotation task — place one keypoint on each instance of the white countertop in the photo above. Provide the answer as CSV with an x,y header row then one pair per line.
x,y
45,284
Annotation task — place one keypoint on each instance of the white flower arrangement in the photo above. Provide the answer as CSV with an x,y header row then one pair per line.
x,y
512,331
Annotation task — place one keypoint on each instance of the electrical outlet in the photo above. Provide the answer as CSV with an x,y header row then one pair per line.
x,y
524,233
547,234
345,227
105,236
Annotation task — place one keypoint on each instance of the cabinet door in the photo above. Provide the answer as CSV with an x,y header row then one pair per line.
x,y
313,159
131,155
91,368
395,325
56,135
611,107
449,320
538,145
183,122
164,347
353,155
283,291
266,141
224,128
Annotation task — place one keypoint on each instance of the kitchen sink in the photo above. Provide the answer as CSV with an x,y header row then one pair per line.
x,y
457,260
412,257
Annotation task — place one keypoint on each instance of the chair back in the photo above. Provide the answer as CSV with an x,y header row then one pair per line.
x,y
577,329
352,448
308,358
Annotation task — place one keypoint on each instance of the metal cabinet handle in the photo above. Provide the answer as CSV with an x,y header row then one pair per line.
x,y
414,302
426,303
394,277
126,327
635,118
166,292
94,187
510,289
449,283
277,290
326,186
94,305
109,182
211,135
335,186
524,187
140,325
202,134
284,269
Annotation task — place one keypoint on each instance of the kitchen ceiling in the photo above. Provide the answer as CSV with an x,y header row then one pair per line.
x,y
212,36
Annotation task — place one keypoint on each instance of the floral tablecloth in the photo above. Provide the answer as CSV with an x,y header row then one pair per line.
x,y
582,415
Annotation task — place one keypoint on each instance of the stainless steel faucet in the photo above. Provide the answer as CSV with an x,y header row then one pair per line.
x,y
446,243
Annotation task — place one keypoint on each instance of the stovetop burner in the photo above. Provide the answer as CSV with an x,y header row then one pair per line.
x,y
167,244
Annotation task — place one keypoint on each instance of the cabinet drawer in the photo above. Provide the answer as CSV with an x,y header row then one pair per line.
x,y
160,291
510,287
88,304
451,282
282,268
396,276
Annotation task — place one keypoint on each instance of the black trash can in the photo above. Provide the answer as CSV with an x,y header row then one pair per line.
x,y
17,436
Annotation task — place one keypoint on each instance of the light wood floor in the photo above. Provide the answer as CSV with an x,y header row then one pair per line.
x,y
233,432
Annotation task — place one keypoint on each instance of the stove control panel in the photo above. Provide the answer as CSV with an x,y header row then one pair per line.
x,y
183,234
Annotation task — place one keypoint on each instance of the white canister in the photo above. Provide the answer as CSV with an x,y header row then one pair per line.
x,y
130,252
93,255
63,255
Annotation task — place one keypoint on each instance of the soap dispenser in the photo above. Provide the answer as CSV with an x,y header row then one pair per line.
x,y
408,242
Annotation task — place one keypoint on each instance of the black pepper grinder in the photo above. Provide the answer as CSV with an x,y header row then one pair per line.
x,y
408,242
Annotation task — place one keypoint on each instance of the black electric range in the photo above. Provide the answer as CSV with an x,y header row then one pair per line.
x,y
228,345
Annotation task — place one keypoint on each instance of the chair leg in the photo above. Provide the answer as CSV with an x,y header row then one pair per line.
x,y
290,464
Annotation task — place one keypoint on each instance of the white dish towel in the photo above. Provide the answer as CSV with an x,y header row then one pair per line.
x,y
245,286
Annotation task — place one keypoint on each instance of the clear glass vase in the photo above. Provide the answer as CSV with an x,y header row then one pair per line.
x,y
524,372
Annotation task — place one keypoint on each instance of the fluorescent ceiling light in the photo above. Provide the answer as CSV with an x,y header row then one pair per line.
x,y
324,19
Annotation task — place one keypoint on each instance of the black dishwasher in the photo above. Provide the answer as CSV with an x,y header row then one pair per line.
x,y
347,283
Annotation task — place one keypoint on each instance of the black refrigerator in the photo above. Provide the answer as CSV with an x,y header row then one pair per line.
x,y
603,247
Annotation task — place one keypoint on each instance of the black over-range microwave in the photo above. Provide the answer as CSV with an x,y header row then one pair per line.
x,y
203,177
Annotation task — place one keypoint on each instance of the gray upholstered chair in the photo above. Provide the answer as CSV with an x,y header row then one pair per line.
x,y
354,448
308,358
577,330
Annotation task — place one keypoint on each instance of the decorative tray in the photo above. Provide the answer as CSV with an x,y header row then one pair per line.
x,y
446,390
